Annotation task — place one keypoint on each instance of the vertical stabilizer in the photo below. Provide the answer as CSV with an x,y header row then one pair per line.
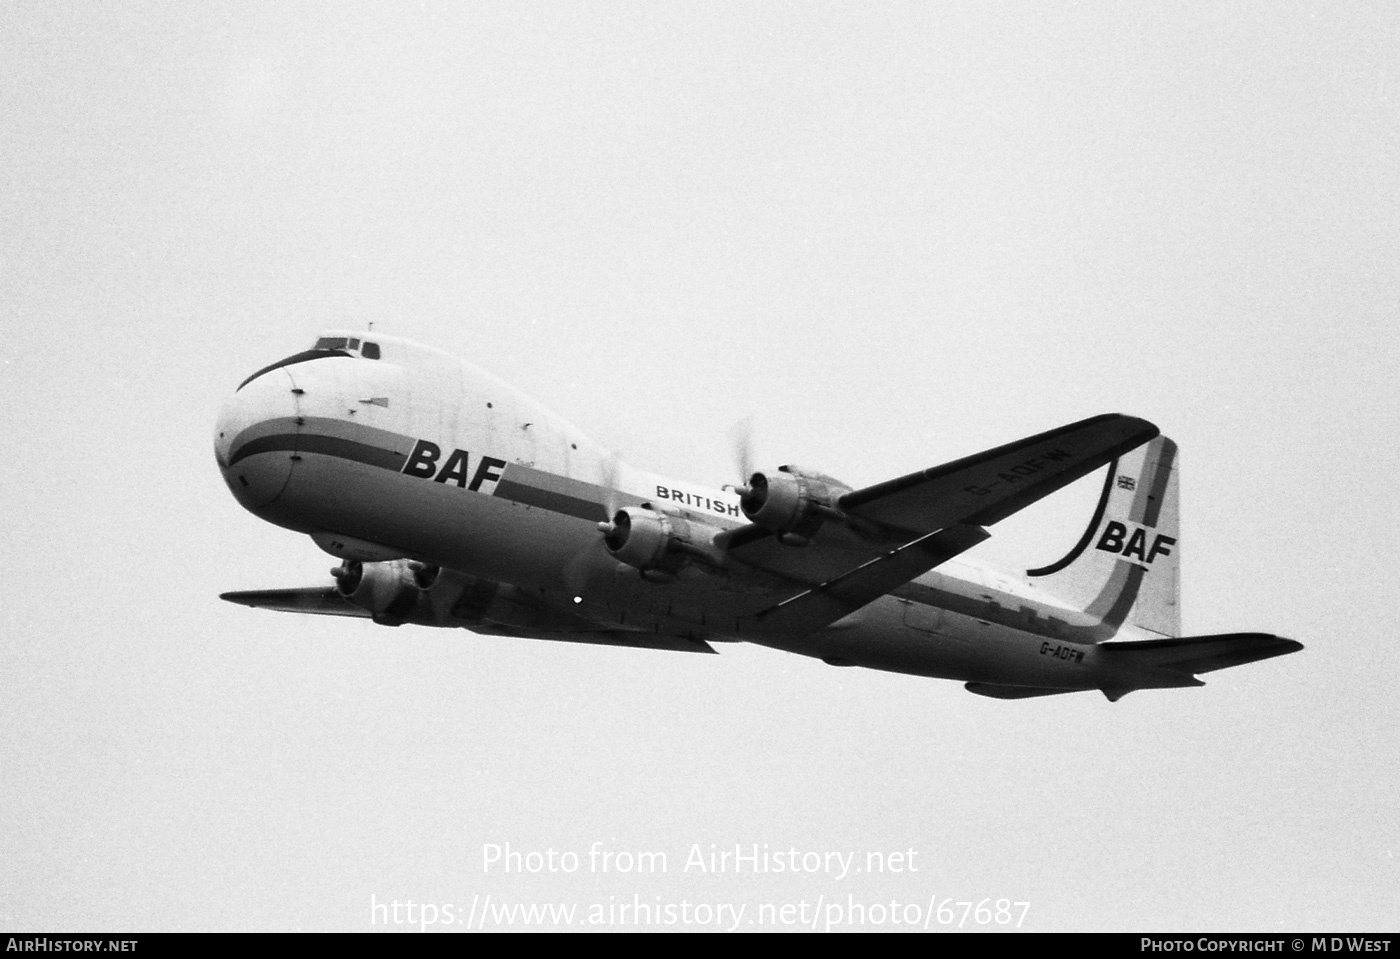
x,y
1125,569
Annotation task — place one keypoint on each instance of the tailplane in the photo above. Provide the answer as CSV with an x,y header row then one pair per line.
x,y
1190,655
1159,664
1125,569
1170,663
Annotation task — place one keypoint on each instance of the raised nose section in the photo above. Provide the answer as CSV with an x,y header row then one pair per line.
x,y
255,440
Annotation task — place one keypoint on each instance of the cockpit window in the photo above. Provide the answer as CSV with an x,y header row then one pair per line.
x,y
369,351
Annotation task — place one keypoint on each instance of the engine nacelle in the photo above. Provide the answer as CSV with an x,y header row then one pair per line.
x,y
657,543
389,591
791,502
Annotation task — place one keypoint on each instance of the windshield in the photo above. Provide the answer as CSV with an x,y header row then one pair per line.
x,y
369,351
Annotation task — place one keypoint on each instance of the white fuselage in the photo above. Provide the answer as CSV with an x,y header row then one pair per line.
x,y
421,455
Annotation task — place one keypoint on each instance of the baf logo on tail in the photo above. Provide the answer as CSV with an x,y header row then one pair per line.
x,y
1117,540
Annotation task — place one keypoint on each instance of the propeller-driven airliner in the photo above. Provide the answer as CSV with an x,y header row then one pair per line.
x,y
450,499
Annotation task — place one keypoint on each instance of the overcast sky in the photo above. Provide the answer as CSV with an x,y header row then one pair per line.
x,y
893,233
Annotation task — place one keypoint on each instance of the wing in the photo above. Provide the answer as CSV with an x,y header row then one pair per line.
x,y
830,601
322,600
326,601
986,488
892,532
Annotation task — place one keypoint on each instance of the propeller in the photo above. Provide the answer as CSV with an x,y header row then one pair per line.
x,y
741,442
611,496
577,569
347,576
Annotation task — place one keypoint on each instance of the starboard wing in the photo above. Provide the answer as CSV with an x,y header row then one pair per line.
x,y
987,487
897,530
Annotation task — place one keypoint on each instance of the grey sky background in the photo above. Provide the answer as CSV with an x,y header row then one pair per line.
x,y
896,234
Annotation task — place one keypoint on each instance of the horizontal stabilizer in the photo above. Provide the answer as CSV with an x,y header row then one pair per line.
x,y
1201,654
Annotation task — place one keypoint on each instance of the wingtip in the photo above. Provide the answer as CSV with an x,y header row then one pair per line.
x,y
1134,429
1277,645
1147,429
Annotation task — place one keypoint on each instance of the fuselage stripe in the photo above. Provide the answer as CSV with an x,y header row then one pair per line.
x,y
1166,461
510,488
264,444
351,450
518,492
314,443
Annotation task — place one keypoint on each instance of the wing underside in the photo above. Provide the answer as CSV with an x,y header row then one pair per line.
x,y
327,602
318,600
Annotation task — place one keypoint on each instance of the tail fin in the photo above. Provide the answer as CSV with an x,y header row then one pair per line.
x,y
1126,566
